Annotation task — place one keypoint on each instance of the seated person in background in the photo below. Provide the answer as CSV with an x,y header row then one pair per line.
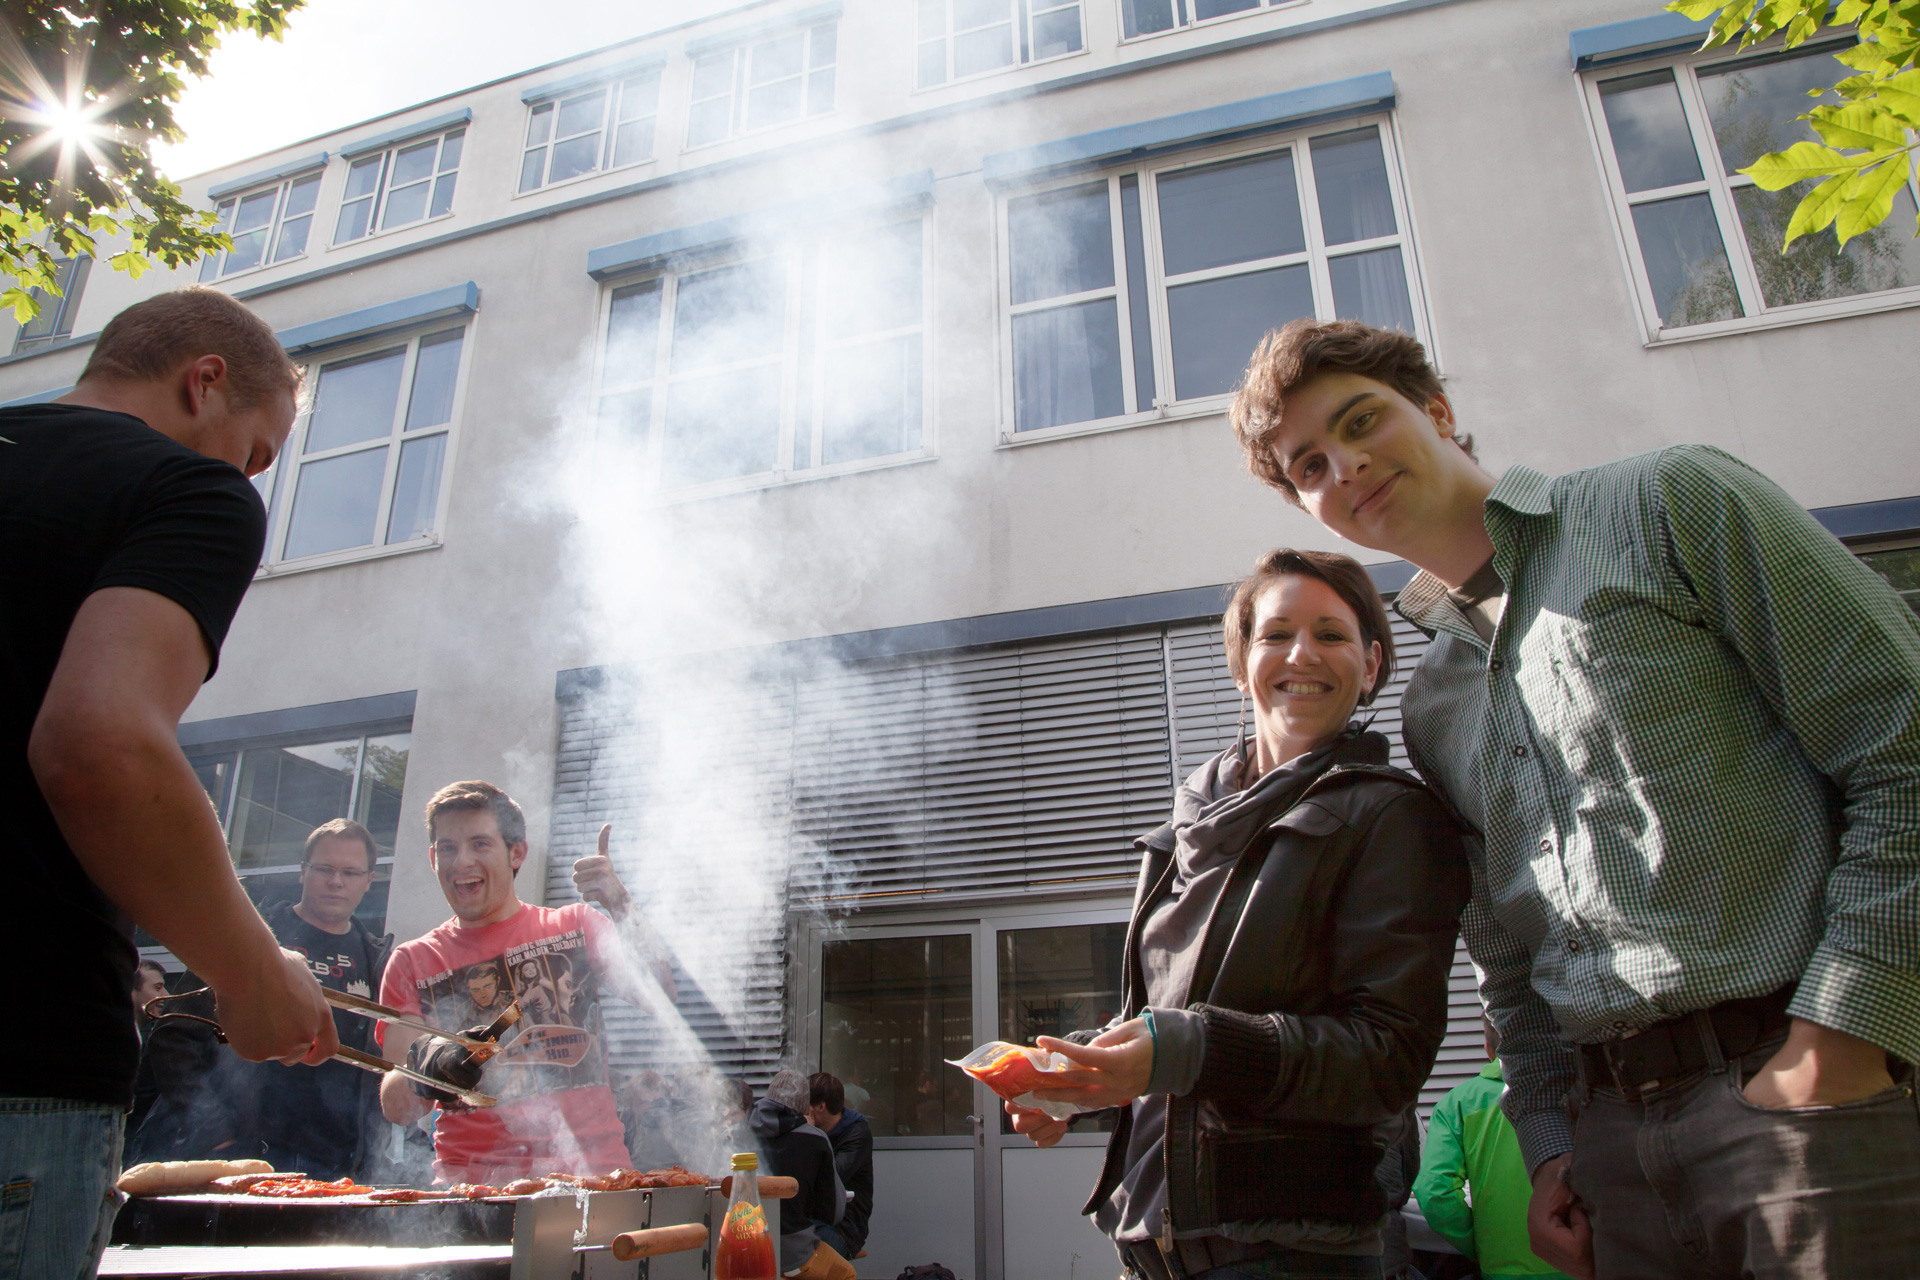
x,y
1473,1185
796,1149
554,1118
323,1120
852,1140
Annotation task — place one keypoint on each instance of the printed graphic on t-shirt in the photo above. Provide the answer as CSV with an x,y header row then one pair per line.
x,y
556,1044
336,970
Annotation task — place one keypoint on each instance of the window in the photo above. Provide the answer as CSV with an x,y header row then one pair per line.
x,y
270,798
801,360
363,466
761,86
404,184
54,320
1150,17
1144,289
1900,566
607,126
267,226
962,38
1702,240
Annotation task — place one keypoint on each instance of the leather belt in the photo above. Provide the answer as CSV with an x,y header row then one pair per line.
x,y
1693,1042
1190,1258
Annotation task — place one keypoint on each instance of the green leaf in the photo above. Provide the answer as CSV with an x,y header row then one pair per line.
x,y
1865,57
1816,210
24,307
1869,198
1694,10
1849,12
1858,124
1779,169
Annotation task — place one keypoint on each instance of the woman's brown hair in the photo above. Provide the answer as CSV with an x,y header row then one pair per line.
x,y
1349,580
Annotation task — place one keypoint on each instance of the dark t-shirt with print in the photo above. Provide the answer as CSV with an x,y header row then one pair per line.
x,y
90,500
318,1111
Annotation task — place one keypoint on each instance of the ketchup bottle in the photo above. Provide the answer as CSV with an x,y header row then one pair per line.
x,y
746,1249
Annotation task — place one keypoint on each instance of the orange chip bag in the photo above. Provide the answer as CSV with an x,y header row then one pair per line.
x,y
1014,1071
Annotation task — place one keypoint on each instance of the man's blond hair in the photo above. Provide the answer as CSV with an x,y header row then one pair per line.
x,y
151,339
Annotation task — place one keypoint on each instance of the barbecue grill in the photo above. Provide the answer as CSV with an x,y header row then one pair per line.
x,y
558,1234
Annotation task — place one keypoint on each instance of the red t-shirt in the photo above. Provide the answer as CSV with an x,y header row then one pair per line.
x,y
551,1119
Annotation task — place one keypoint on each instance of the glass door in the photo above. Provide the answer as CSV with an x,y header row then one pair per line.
x,y
894,1005
1052,975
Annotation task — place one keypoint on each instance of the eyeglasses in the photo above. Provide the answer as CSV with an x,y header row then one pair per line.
x,y
348,874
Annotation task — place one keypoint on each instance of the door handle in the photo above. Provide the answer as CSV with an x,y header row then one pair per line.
x,y
979,1130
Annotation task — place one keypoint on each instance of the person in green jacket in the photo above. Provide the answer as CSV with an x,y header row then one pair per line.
x,y
1473,1186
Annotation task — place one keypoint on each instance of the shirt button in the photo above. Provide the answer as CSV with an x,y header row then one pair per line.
x,y
1519,752
1546,846
1496,665
1619,1026
1573,946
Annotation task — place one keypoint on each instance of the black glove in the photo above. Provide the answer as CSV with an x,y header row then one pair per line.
x,y
448,1061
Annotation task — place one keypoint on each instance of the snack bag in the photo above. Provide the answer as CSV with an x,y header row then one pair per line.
x,y
1014,1071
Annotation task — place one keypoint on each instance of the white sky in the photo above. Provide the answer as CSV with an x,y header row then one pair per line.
x,y
346,60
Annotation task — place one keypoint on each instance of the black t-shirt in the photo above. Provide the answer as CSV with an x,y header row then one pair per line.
x,y
91,499
318,1111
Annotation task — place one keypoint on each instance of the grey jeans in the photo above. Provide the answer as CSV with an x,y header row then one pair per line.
x,y
1695,1182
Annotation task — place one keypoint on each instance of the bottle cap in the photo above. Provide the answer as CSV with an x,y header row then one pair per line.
x,y
746,1160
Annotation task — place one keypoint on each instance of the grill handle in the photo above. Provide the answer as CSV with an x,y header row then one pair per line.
x,y
772,1187
654,1241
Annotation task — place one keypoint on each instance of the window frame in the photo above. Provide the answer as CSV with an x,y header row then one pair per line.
x,y
801,259
236,749
1021,15
1316,256
1719,188
74,270
276,224
1194,24
740,81
383,187
279,493
615,87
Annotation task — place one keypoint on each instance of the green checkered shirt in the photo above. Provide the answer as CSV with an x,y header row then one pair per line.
x,y
1693,754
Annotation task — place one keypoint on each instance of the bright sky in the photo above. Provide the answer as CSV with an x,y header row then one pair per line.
x,y
346,60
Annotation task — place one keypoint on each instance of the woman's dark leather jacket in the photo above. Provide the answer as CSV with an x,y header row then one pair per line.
x,y
1322,980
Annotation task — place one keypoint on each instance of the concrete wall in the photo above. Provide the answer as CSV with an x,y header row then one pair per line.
x,y
1533,321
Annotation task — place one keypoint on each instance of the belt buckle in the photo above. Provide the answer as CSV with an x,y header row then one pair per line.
x,y
1609,1054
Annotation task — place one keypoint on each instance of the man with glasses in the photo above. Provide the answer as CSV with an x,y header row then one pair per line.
x,y
324,1120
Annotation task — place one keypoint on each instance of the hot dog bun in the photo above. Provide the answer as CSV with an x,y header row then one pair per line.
x,y
162,1176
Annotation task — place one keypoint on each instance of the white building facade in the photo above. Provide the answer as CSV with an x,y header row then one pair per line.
x,y
798,438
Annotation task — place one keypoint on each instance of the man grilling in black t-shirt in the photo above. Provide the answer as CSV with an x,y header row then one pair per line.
x,y
324,1120
128,535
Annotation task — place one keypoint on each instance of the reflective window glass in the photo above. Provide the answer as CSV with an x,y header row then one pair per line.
x,y
1056,981
721,426
296,220
1686,261
1066,365
892,1012
416,488
1651,140
1753,103
383,776
1350,181
284,793
336,503
355,400
1061,242
730,314
1816,266
633,333
1372,287
1217,323
435,371
1236,211
1901,568
871,400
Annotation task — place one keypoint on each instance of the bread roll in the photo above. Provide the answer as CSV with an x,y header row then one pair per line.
x,y
163,1176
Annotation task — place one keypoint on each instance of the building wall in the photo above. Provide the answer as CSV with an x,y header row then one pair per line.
x,y
1532,317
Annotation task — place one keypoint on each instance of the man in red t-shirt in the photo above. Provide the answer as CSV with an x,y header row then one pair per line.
x,y
551,1118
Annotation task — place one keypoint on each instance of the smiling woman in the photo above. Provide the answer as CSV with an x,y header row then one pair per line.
x,y
1296,921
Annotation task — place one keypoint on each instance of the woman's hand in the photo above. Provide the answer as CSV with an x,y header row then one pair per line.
x,y
1111,1072
1038,1125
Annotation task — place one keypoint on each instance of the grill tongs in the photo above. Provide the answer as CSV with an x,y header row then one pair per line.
x,y
482,1049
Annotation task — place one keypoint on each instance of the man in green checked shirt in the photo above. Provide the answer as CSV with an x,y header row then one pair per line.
x,y
1682,718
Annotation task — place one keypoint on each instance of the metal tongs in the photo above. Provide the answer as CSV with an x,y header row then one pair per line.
x,y
487,1045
